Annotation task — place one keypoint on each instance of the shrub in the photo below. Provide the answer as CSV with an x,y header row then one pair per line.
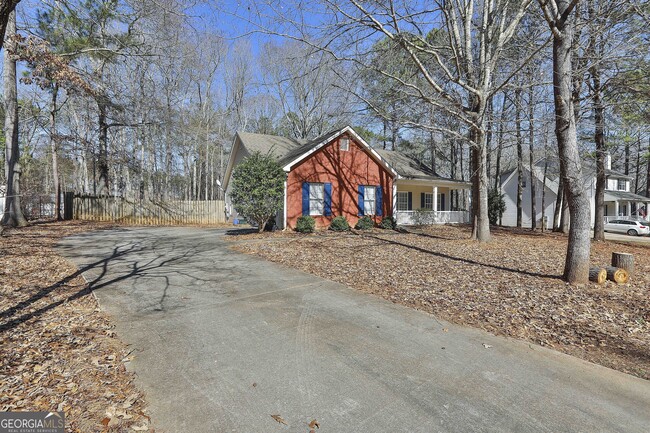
x,y
423,216
305,224
388,223
258,188
496,206
340,224
364,223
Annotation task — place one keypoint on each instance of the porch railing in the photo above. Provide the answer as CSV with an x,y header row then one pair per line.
x,y
410,217
623,217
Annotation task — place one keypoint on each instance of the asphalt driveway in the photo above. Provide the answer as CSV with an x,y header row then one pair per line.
x,y
225,340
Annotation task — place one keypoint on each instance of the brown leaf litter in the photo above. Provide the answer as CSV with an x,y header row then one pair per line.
x,y
59,351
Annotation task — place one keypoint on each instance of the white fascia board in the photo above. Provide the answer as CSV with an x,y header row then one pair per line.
x,y
231,160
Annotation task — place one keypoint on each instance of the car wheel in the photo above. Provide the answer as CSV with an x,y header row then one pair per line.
x,y
632,232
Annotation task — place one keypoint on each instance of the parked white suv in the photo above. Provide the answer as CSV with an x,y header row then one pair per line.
x,y
632,228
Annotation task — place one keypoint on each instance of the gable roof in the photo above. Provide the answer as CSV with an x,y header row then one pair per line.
x,y
295,157
268,144
249,143
290,152
306,146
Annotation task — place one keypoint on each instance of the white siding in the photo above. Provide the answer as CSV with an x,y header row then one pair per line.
x,y
510,191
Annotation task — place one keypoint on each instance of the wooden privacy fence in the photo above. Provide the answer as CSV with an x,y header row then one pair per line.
x,y
145,212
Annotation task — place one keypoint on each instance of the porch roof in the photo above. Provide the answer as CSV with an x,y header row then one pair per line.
x,y
625,196
412,171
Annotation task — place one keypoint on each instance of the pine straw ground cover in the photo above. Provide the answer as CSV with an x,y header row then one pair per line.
x,y
57,350
510,286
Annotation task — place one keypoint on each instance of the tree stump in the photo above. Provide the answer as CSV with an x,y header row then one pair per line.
x,y
597,275
617,275
623,261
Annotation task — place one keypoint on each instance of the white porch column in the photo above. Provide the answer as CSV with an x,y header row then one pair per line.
x,y
647,211
616,209
628,209
435,199
394,210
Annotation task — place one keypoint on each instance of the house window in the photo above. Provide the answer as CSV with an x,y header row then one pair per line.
x,y
369,200
316,199
402,201
621,185
441,202
428,200
344,143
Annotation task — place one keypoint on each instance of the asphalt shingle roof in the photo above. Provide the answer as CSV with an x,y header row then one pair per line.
x,y
265,144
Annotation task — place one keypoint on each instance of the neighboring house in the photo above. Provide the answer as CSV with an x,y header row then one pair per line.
x,y
338,173
619,201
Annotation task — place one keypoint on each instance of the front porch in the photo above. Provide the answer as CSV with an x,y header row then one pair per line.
x,y
630,206
425,201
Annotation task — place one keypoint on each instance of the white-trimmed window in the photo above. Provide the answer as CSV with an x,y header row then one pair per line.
x,y
344,143
441,202
621,185
316,199
369,200
428,200
402,201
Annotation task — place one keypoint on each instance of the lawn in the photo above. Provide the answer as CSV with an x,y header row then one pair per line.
x,y
58,350
510,286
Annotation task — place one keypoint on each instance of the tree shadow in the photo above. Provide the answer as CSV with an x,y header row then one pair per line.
x,y
97,282
464,260
242,231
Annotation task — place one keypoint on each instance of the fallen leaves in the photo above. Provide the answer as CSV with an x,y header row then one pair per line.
x,y
59,352
279,419
510,286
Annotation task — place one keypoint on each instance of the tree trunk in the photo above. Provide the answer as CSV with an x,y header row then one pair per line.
x,y
488,136
520,157
565,217
559,201
13,214
597,275
480,219
55,154
544,194
601,150
576,266
647,167
637,168
531,157
599,128
624,261
617,275
102,160
502,121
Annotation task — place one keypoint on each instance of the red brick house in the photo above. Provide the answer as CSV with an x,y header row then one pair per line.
x,y
338,173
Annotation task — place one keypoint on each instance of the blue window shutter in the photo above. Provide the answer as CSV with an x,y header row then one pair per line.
x,y
442,202
379,202
305,198
422,201
410,206
328,199
360,203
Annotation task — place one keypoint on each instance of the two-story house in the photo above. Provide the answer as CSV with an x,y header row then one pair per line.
x,y
619,201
